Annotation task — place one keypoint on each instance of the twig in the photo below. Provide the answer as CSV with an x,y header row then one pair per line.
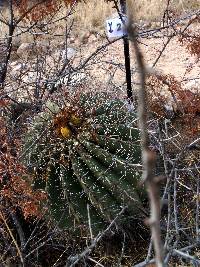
x,y
163,49
171,24
175,205
75,259
186,256
122,252
89,221
96,52
193,144
148,157
13,239
96,262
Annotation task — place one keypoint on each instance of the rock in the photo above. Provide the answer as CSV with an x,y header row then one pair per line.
x,y
70,53
30,50
71,40
84,37
17,66
14,64
101,34
92,38
77,42
147,25
192,85
113,16
25,50
155,24
144,24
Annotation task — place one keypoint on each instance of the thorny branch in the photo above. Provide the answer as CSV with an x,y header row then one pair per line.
x,y
148,157
73,260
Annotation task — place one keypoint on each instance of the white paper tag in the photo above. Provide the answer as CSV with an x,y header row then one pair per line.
x,y
116,28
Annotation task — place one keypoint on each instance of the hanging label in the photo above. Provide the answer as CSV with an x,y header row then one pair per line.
x,y
116,28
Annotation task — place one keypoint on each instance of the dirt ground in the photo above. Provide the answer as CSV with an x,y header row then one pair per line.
x,y
175,60
105,68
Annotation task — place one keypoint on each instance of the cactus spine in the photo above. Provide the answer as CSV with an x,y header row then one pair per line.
x,y
87,154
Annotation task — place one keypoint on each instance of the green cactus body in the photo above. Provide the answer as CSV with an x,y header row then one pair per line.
x,y
97,165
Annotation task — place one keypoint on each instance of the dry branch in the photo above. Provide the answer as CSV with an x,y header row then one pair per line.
x,y
148,157
73,260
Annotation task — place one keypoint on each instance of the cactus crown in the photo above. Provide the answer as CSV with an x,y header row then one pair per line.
x,y
86,155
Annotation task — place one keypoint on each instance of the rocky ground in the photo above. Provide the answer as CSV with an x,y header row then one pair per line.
x,y
102,66
175,59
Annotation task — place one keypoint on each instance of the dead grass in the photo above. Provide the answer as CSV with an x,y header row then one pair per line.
x,y
94,13
91,16
152,10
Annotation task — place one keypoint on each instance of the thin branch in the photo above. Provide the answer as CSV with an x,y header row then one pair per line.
x,y
175,205
13,238
148,157
186,256
76,259
163,49
122,252
89,221
96,262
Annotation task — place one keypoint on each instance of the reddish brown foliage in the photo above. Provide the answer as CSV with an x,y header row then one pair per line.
x,y
192,43
38,10
161,88
15,189
191,40
185,104
3,102
185,101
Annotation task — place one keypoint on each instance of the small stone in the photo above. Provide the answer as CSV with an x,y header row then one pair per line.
x,y
24,50
92,38
70,52
155,24
72,40
84,37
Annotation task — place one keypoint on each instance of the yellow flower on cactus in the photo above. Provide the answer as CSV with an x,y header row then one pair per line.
x,y
66,132
76,121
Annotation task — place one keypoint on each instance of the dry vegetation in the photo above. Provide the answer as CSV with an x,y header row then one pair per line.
x,y
39,96
91,16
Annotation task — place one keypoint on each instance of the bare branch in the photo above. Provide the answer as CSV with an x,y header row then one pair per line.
x,y
75,259
148,157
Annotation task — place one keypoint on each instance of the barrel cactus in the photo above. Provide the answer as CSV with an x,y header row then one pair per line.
x,y
86,155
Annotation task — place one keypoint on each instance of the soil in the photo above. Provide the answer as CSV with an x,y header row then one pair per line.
x,y
105,70
175,60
